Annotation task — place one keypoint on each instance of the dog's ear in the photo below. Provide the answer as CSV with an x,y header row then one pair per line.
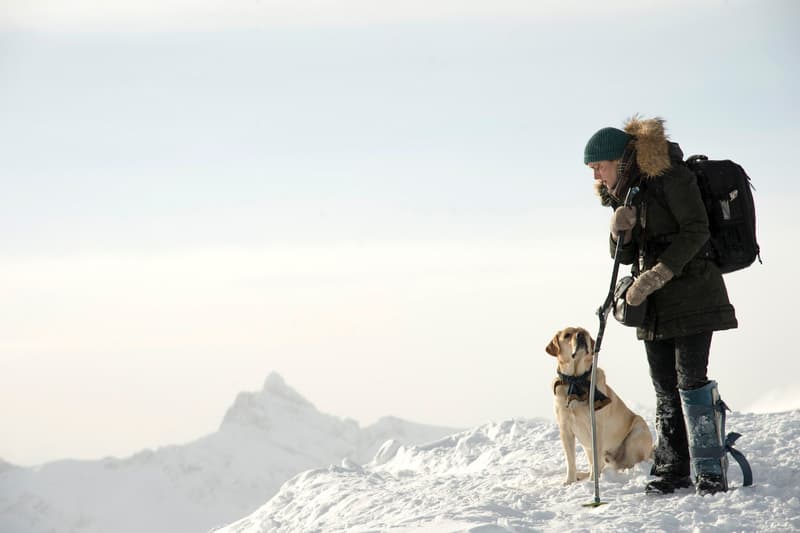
x,y
553,348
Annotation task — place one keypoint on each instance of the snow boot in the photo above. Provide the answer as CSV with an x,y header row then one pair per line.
x,y
671,452
667,484
704,412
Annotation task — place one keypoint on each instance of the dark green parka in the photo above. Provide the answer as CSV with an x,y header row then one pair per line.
x,y
672,228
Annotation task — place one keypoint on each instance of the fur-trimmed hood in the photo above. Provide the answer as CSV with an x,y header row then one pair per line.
x,y
651,144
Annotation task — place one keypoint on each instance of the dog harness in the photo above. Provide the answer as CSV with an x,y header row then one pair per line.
x,y
578,389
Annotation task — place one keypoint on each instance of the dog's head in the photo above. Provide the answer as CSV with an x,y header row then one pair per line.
x,y
574,348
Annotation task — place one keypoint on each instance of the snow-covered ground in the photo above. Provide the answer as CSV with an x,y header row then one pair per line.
x,y
268,469
266,437
507,476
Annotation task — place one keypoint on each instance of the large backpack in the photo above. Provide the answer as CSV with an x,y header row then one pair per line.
x,y
725,188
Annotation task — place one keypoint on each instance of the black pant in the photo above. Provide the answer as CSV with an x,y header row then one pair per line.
x,y
679,363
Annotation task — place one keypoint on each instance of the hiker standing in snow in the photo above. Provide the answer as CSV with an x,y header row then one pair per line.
x,y
664,236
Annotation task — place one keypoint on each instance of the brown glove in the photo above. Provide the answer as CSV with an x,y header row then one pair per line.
x,y
648,283
623,220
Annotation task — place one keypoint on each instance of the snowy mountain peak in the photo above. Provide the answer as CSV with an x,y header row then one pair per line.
x,y
267,437
274,403
274,380
276,387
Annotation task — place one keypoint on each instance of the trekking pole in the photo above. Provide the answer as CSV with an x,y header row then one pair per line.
x,y
602,314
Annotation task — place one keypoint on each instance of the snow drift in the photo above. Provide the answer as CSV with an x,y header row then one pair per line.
x,y
508,476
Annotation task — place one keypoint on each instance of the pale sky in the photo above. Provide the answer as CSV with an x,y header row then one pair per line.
x,y
384,202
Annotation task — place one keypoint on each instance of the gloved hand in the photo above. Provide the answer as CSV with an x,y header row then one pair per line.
x,y
648,283
623,220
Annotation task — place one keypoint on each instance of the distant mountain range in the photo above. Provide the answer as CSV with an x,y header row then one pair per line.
x,y
265,438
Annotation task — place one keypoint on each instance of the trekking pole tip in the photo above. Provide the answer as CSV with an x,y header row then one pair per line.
x,y
595,503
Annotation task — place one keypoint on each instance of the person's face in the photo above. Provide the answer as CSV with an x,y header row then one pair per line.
x,y
605,171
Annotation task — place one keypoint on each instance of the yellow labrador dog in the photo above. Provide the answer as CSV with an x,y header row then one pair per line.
x,y
623,438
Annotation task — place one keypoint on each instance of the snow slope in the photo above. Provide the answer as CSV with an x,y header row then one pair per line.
x,y
508,476
265,438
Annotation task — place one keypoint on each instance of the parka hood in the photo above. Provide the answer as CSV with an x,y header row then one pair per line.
x,y
651,144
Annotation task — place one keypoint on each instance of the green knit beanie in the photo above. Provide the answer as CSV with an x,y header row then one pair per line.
x,y
607,144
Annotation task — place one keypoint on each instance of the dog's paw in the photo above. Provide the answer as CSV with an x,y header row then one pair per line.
x,y
582,475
